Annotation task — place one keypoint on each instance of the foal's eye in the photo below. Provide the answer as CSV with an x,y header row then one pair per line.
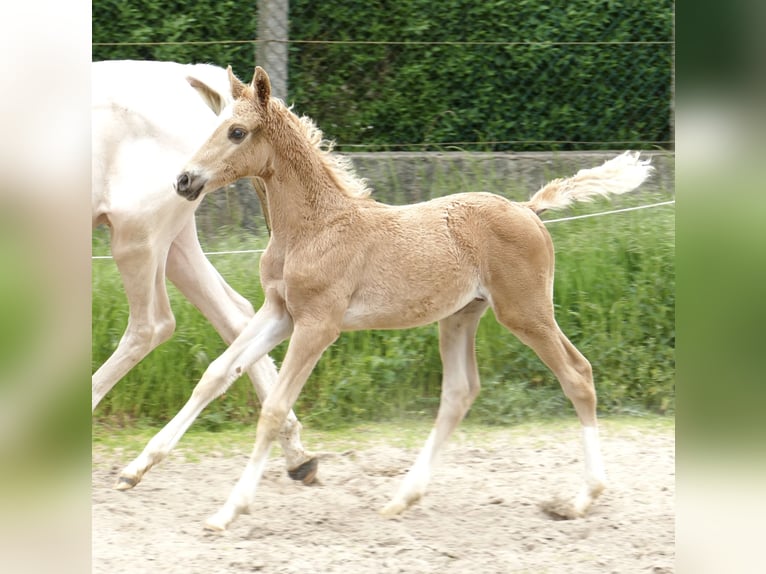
x,y
237,134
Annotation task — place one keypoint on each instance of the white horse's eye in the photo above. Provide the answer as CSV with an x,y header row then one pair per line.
x,y
237,134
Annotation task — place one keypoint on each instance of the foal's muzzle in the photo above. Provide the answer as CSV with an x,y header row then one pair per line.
x,y
189,185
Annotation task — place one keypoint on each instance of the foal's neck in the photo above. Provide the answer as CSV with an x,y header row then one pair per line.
x,y
301,189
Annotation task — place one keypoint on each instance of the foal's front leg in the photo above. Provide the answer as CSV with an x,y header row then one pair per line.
x,y
269,326
306,346
229,313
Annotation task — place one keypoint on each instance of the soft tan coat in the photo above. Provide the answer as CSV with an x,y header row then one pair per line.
x,y
338,260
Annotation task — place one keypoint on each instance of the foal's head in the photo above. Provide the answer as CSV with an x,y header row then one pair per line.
x,y
237,147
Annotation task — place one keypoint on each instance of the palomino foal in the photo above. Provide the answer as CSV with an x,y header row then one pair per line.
x,y
338,260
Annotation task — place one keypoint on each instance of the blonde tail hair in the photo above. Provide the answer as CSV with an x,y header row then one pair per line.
x,y
618,175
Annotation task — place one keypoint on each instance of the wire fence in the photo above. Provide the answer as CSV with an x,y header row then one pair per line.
x,y
256,42
422,76
493,76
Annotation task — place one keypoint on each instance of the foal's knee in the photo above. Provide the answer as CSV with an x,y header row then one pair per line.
x,y
270,422
214,382
206,390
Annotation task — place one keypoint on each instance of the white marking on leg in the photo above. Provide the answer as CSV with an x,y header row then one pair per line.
x,y
594,464
415,482
305,348
595,475
243,493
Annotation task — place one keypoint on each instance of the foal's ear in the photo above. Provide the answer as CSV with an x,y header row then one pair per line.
x,y
237,87
262,86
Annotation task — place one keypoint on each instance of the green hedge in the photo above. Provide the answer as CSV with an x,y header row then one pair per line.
x,y
383,94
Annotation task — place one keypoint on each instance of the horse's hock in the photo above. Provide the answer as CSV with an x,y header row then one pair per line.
x,y
409,177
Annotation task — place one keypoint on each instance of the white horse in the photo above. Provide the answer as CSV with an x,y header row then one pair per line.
x,y
147,119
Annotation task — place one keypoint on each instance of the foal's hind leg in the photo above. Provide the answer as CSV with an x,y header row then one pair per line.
x,y
460,386
531,319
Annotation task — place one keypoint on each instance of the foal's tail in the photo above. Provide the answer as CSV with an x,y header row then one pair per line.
x,y
621,174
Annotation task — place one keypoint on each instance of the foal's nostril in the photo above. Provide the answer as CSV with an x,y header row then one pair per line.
x,y
182,184
189,185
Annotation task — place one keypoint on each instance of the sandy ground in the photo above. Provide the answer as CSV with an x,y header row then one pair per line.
x,y
481,513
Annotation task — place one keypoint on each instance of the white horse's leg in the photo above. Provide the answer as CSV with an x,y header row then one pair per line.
x,y
460,386
269,326
306,346
229,313
150,322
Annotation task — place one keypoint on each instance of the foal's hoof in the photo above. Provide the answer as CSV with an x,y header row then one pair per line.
x,y
212,526
126,482
392,509
397,506
306,472
220,521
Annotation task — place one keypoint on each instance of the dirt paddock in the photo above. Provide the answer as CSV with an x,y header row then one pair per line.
x,y
481,514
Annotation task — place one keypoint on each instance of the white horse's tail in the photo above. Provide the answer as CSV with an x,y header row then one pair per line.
x,y
618,175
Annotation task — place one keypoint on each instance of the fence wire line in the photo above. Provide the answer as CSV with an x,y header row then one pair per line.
x,y
546,221
623,210
386,42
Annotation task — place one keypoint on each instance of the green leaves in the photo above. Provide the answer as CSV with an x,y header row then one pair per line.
x,y
528,93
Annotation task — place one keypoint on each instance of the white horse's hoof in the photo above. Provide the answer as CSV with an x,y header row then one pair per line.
x,y
216,524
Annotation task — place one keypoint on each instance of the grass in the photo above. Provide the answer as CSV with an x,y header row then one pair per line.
x,y
237,438
614,295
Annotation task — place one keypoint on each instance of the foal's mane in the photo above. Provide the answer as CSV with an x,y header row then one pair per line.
x,y
340,168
